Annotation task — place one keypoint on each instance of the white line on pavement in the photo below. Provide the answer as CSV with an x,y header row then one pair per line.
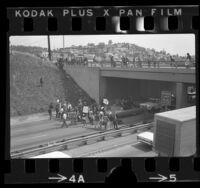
x,y
19,130
38,136
28,138
108,148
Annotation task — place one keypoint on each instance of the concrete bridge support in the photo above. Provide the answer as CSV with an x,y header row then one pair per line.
x,y
181,95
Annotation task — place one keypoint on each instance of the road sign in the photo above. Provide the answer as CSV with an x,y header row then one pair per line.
x,y
166,98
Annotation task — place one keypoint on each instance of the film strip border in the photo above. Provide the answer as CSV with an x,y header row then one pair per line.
x,y
102,20
99,170
102,170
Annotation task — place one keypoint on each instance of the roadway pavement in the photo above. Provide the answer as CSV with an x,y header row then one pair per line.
x,y
125,146
37,130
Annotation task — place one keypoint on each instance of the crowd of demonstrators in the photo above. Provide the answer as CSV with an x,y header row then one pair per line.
x,y
105,116
86,113
112,117
61,108
95,114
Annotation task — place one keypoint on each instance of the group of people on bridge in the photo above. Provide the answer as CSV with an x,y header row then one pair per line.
x,y
137,62
124,61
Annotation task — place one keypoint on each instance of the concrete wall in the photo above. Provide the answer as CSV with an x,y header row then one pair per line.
x,y
86,78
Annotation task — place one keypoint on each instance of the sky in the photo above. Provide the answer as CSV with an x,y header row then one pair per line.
x,y
172,43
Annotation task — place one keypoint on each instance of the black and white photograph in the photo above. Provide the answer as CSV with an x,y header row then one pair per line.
x,y
83,96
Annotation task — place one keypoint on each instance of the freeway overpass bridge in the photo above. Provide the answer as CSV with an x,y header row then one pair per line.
x,y
160,74
139,82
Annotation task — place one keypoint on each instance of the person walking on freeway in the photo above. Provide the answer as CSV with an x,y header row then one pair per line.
x,y
115,121
84,119
58,106
61,112
50,110
64,117
91,117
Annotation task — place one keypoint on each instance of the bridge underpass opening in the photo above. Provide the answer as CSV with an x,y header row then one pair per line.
x,y
114,89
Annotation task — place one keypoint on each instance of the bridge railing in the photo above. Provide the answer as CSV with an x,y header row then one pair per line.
x,y
138,64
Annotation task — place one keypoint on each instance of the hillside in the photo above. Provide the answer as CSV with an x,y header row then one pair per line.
x,y
26,95
29,49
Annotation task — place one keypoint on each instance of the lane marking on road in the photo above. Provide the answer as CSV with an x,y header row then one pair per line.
x,y
28,123
15,141
22,130
38,136
105,153
25,139
108,148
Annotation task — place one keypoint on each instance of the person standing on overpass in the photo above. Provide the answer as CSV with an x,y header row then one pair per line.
x,y
149,61
58,106
189,57
113,64
188,60
173,63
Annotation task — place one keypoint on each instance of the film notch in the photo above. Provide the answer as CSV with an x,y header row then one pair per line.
x,y
52,24
148,22
28,24
30,166
100,23
76,24
124,23
173,23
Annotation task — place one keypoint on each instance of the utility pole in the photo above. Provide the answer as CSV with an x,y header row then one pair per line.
x,y
63,42
49,47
